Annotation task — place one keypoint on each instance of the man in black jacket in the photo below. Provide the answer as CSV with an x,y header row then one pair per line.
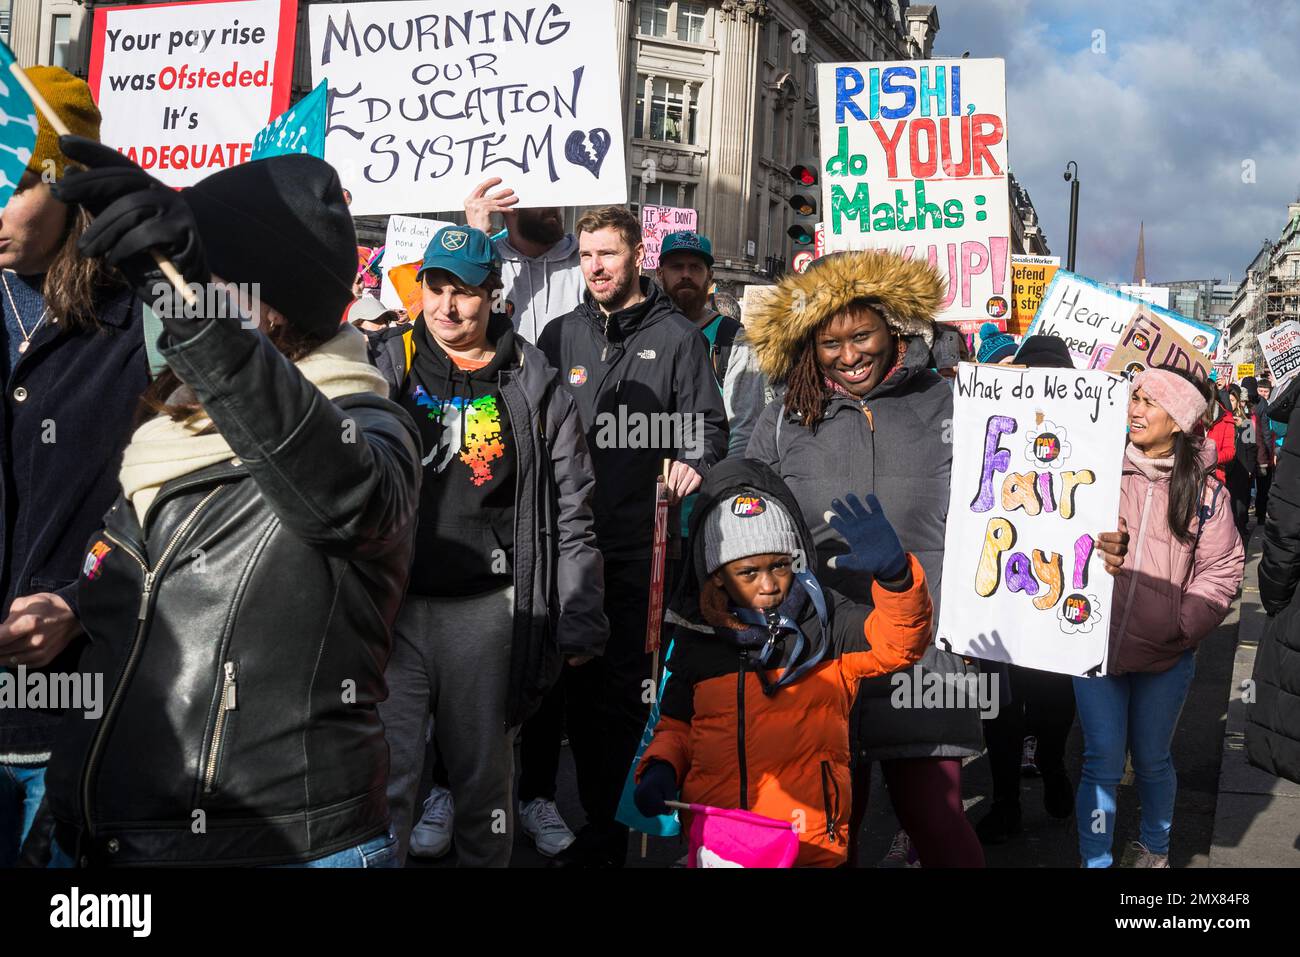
x,y
639,372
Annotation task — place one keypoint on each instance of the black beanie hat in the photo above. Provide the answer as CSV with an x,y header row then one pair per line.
x,y
1044,352
281,223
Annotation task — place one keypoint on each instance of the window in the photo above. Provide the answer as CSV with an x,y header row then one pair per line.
x,y
5,6
61,41
667,192
654,18
667,98
690,22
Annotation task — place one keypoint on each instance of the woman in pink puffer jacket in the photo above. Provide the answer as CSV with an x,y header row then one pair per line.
x,y
1179,578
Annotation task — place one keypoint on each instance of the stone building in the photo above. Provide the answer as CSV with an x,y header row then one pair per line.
x,y
1269,293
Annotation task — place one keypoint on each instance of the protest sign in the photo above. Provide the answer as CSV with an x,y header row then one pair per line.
x,y
752,296
1223,372
657,222
1091,317
185,87
1036,465
1156,295
429,100
915,156
299,129
1245,369
404,242
409,291
1150,342
1281,346
1030,276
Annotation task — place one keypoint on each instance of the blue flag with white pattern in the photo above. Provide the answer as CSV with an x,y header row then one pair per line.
x,y
18,127
299,129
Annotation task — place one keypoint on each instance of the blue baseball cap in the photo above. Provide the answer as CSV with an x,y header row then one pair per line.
x,y
687,243
465,252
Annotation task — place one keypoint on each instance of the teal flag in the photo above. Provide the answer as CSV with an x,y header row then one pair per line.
x,y
627,814
18,127
299,129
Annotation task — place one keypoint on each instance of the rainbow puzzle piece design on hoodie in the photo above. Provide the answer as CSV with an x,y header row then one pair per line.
x,y
476,425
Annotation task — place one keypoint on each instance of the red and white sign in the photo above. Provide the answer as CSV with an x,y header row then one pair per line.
x,y
658,222
802,260
185,87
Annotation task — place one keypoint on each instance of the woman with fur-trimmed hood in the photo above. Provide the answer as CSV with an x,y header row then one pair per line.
x,y
850,340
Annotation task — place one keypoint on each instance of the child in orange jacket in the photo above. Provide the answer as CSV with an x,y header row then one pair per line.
x,y
766,663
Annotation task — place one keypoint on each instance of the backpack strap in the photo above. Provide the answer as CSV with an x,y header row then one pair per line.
x,y
720,351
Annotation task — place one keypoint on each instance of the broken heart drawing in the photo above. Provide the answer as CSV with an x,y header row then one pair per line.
x,y
588,150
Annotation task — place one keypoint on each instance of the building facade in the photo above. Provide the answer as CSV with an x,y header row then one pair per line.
x,y
1269,293
720,100
1027,236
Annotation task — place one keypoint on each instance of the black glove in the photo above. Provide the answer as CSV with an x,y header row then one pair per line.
x,y
658,784
134,213
873,543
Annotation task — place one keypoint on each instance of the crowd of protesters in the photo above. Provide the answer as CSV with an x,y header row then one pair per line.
x,y
331,547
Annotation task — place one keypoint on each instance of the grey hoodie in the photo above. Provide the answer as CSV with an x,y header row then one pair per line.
x,y
542,287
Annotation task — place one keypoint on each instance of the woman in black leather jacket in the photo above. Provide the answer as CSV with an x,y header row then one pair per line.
x,y
240,597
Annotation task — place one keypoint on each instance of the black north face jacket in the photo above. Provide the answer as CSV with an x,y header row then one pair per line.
x,y
625,371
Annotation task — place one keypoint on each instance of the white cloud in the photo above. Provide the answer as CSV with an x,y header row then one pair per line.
x,y
1159,123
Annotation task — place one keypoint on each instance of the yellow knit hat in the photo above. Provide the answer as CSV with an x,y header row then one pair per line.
x,y
70,98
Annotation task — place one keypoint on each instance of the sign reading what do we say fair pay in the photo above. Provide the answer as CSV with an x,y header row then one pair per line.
x,y
915,160
1036,468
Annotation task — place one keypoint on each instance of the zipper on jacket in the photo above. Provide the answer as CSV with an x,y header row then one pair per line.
x,y
229,702
604,349
831,800
740,734
142,621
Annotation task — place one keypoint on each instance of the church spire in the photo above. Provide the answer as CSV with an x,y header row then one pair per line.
x,y
1140,264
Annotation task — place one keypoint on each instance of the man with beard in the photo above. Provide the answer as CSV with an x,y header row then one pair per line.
x,y
629,359
539,261
686,274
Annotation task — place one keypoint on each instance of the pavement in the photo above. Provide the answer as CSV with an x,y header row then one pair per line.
x,y
1257,818
1227,813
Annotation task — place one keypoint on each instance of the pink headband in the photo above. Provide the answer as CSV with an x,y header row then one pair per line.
x,y
1183,401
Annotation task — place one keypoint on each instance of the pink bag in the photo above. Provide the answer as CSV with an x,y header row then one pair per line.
x,y
722,837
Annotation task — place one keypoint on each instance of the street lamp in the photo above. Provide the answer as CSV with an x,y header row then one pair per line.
x,y
1073,180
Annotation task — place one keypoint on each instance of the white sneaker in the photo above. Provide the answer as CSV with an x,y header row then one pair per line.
x,y
541,821
432,835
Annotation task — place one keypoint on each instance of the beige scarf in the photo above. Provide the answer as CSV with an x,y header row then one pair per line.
x,y
163,449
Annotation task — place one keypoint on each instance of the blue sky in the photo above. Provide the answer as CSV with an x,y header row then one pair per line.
x,y
1160,123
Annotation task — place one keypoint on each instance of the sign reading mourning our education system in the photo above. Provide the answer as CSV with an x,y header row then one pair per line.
x,y
1037,456
658,222
1092,318
427,100
185,87
915,160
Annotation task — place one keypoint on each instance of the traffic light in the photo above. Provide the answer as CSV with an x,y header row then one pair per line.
x,y
804,204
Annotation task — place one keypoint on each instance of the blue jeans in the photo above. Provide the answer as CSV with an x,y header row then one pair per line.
x,y
1135,712
21,790
377,852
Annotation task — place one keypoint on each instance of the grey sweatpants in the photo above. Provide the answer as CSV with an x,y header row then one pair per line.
x,y
451,657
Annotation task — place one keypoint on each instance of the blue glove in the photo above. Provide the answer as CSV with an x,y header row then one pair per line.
x,y
657,785
874,548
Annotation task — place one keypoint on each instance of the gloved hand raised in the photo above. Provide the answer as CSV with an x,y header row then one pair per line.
x,y
657,785
874,548
134,213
